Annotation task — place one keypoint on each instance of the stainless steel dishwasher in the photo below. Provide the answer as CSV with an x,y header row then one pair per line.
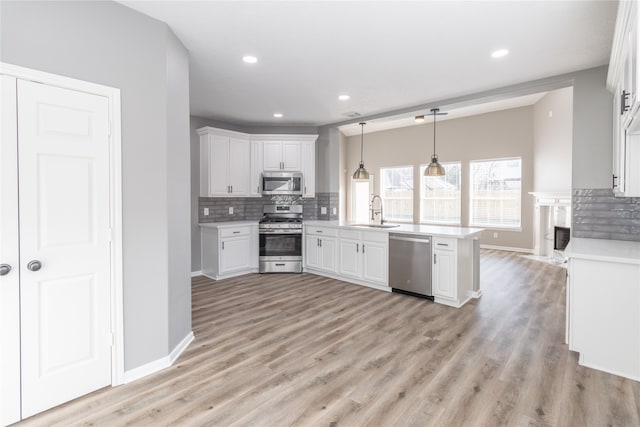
x,y
410,264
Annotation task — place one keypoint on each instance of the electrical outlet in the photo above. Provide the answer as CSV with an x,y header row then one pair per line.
x,y
323,210
334,211
495,234
230,210
206,211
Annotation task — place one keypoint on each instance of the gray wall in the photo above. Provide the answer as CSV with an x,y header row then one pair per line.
x,y
110,44
499,134
178,190
552,141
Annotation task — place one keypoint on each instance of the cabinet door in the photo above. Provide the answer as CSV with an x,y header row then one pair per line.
x,y
218,165
239,166
350,257
444,274
329,254
312,252
618,181
291,156
374,260
234,254
309,168
255,180
272,155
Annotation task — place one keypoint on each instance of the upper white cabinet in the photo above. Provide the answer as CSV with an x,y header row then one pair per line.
x,y
282,156
231,163
225,163
309,168
623,80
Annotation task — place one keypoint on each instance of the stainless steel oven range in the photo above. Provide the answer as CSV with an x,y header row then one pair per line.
x,y
280,232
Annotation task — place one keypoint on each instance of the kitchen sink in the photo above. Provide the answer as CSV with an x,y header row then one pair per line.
x,y
377,225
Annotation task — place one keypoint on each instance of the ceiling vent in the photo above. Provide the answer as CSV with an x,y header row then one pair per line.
x,y
352,114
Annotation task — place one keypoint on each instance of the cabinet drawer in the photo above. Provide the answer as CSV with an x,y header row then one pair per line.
x,y
234,231
444,243
375,236
350,234
321,231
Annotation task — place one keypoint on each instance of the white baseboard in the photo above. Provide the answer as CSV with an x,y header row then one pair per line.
x,y
182,346
475,294
196,273
507,248
159,364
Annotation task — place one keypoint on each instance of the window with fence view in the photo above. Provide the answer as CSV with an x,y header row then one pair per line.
x,y
495,192
440,196
396,187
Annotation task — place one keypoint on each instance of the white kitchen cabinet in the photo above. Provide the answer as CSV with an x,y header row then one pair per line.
x,y
255,179
229,250
321,249
623,80
603,305
309,168
364,256
282,156
225,163
444,269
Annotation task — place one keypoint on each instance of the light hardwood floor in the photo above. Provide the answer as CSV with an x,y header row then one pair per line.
x,y
277,350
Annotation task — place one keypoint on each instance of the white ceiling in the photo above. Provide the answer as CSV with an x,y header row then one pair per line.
x,y
386,54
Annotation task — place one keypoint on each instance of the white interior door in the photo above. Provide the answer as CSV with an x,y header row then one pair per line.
x,y
9,258
63,152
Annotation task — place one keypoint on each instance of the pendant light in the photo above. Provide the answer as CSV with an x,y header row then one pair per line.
x,y
361,173
434,168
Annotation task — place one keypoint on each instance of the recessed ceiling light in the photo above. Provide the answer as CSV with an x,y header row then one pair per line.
x,y
344,97
250,59
419,119
277,115
500,53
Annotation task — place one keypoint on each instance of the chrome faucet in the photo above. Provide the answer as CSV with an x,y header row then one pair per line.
x,y
376,212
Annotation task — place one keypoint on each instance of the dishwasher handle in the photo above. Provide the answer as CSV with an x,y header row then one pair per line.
x,y
410,239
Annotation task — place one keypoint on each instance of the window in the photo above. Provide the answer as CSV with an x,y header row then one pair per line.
x,y
361,192
495,192
440,196
396,188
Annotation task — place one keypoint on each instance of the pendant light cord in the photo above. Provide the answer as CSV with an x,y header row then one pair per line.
x,y
435,110
361,142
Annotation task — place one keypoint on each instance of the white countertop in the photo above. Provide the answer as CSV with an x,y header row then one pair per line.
x,y
429,230
226,224
604,250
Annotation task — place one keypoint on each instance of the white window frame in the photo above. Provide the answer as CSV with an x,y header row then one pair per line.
x,y
385,204
352,211
459,222
493,226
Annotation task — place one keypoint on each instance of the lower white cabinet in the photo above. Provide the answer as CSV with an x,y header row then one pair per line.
x,y
320,249
229,250
444,268
455,271
364,256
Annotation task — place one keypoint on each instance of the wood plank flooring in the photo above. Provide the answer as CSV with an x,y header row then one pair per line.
x,y
280,350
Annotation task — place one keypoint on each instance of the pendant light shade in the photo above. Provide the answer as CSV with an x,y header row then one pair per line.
x,y
434,168
361,173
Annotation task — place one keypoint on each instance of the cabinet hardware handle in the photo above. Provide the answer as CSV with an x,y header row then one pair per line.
x,y
320,240
443,244
435,260
614,181
231,187
34,265
318,231
236,232
357,247
623,102
363,248
223,246
5,269
279,265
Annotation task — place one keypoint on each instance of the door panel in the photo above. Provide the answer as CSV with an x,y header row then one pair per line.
x,y
9,283
218,165
291,156
350,258
239,159
234,254
272,156
375,260
63,152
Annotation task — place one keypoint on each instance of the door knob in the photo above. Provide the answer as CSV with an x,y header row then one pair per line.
x,y
34,265
4,269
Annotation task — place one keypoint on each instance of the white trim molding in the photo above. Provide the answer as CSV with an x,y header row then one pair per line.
x,y
158,364
507,248
196,273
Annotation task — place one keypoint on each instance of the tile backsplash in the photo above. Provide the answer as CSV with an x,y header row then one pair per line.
x,y
598,214
250,208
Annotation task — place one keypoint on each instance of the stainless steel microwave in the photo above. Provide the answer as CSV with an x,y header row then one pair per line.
x,y
284,183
